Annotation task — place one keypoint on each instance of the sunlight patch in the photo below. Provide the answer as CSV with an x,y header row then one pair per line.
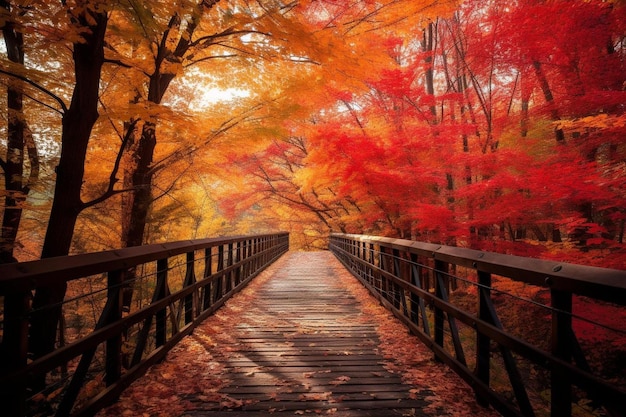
x,y
214,95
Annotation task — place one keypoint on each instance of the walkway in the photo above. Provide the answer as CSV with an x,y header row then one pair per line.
x,y
303,338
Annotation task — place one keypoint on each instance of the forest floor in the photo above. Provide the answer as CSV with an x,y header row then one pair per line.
x,y
303,338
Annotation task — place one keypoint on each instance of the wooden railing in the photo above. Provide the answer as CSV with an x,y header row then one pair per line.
x,y
141,300
414,280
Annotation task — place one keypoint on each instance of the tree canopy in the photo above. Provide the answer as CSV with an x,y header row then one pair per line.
x,y
488,124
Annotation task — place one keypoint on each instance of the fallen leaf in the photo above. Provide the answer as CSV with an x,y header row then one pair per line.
x,y
340,380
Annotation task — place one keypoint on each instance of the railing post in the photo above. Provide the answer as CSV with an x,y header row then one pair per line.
x,y
240,267
440,269
208,289
395,254
262,247
220,282
160,293
230,279
362,264
190,279
255,252
378,262
384,265
371,261
561,390
483,342
115,280
418,306
247,250
14,351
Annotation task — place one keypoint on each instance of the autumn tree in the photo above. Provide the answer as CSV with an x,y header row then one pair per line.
x,y
459,136
556,73
19,138
176,39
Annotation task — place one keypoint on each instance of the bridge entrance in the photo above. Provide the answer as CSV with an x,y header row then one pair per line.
x,y
303,338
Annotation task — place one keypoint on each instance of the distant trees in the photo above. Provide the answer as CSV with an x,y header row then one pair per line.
x,y
21,164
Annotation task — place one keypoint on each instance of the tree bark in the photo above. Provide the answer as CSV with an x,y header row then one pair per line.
x,y
13,166
140,176
526,92
429,49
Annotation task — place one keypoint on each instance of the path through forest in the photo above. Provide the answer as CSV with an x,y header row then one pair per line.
x,y
303,338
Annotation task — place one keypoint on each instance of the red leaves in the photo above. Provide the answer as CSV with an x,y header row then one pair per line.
x,y
469,157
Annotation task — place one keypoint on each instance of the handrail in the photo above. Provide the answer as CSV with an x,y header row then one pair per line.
x,y
412,279
139,336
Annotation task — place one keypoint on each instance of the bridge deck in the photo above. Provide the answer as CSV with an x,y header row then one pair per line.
x,y
303,338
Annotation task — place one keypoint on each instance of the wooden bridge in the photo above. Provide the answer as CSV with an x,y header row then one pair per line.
x,y
304,337
299,340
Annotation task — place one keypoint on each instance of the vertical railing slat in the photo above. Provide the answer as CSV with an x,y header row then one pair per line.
x,y
239,269
190,279
561,389
230,262
483,342
14,349
439,316
220,282
113,366
207,293
417,302
441,273
161,292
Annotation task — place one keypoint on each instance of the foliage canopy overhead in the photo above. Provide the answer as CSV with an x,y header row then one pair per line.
x,y
482,124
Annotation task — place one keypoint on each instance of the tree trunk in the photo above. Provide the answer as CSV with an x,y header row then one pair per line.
x,y
77,124
429,49
547,94
16,190
141,174
526,92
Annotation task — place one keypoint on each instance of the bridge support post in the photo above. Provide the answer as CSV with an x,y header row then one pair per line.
x,y
439,278
160,292
207,294
561,389
483,342
13,351
190,279
113,365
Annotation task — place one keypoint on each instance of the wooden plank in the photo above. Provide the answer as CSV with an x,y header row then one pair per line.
x,y
362,388
312,406
334,413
